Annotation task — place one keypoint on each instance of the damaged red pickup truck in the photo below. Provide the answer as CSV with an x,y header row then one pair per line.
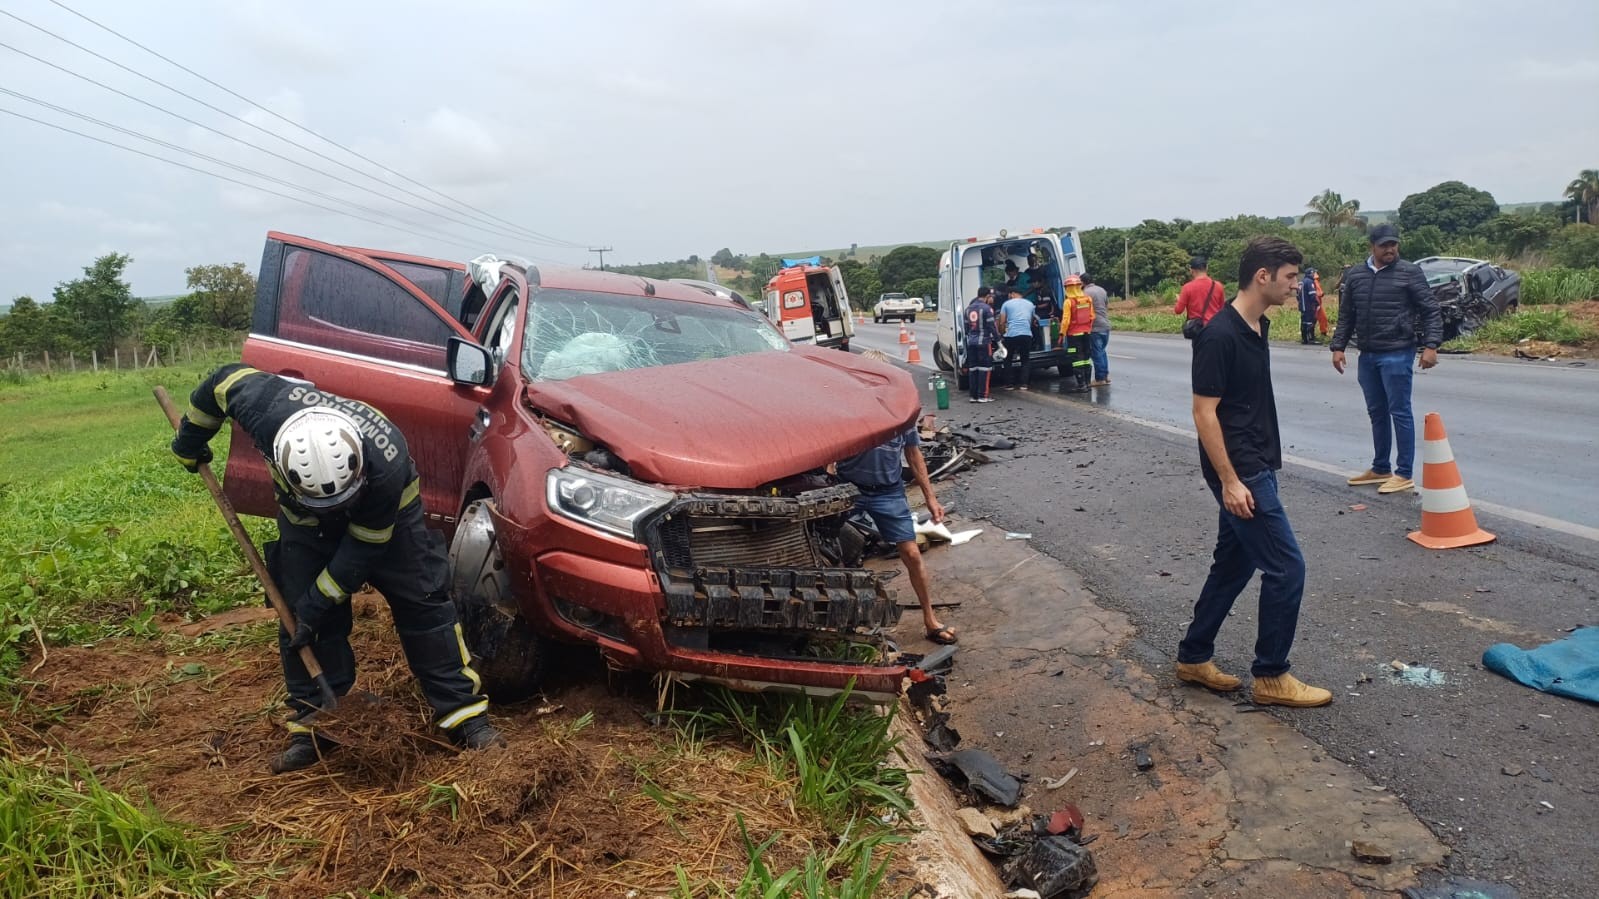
x,y
629,463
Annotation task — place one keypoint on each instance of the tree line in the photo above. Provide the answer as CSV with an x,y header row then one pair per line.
x,y
1448,219
98,313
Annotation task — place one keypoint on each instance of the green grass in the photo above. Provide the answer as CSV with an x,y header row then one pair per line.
x,y
1284,323
1543,323
100,530
1559,286
66,835
836,753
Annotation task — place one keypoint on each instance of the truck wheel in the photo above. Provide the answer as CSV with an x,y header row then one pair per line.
x,y
506,652
942,357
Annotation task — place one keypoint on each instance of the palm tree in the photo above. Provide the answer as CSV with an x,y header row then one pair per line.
x,y
1584,191
1333,211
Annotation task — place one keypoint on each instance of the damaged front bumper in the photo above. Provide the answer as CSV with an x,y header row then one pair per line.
x,y
730,589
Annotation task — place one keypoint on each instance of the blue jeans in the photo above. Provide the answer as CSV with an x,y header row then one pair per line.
x,y
1264,543
1097,341
891,512
1385,378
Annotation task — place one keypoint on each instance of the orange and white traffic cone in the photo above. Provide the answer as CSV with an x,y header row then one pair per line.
x,y
860,318
1447,521
913,355
904,334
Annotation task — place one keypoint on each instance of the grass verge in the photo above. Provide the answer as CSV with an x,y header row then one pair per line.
x,y
67,835
100,530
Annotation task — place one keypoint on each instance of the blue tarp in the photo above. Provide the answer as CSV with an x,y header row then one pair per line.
x,y
1568,667
808,260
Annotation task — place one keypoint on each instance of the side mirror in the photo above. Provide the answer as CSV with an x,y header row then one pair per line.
x,y
469,363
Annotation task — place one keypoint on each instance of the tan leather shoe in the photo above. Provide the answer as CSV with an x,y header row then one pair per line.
x,y
1285,689
1206,674
1397,484
1368,477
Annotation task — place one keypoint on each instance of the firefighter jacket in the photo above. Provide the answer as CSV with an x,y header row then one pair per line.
x,y
1080,314
260,402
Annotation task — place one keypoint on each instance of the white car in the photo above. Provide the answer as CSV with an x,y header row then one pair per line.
x,y
895,305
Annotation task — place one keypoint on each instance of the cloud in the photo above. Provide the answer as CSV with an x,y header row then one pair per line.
x,y
289,40
1546,70
103,221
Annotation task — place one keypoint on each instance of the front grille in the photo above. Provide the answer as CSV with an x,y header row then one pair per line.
x,y
733,531
731,543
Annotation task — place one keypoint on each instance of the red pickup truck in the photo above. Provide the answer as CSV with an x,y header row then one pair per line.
x,y
624,462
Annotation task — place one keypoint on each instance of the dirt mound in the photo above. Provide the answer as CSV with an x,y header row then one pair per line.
x,y
587,800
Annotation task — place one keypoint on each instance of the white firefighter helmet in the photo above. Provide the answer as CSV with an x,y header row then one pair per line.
x,y
318,452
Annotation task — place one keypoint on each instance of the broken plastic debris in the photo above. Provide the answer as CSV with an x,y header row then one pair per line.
x,y
985,775
964,536
1018,535
1055,867
1058,782
939,532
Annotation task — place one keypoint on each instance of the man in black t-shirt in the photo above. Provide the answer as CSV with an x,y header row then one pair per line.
x,y
1240,453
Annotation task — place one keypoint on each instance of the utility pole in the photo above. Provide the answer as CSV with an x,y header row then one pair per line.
x,y
1127,269
602,251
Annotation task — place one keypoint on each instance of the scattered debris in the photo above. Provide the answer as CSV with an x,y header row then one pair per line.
x,y
1058,782
975,822
1358,507
1142,761
1370,853
1021,814
1066,822
1511,771
1018,535
1023,893
1538,350
1414,675
1462,888
1546,804
941,737
983,774
1056,867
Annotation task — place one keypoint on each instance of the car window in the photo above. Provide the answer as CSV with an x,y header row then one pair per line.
x,y
331,302
430,279
572,333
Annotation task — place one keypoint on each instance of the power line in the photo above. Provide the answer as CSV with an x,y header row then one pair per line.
x,y
602,251
211,159
273,153
258,187
247,122
109,30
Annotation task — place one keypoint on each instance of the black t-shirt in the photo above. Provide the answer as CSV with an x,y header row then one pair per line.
x,y
1232,362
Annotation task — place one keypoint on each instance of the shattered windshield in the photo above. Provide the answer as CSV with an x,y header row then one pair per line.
x,y
574,332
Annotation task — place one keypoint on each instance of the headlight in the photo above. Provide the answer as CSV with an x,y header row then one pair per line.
x,y
609,503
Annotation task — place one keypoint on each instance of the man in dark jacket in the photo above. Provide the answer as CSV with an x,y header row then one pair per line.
x,y
349,513
1380,304
981,333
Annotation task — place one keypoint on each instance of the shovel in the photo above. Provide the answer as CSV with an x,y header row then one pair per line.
x,y
312,667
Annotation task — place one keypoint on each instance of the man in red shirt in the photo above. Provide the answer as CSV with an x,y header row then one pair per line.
x,y
1203,296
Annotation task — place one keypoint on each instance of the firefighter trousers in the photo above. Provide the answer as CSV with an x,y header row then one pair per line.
x,y
413,576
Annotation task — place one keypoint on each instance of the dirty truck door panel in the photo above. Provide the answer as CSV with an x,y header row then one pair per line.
x,y
353,326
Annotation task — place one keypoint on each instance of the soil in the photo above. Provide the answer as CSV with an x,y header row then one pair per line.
x,y
565,810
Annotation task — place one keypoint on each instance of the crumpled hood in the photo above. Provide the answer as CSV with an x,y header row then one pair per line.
x,y
736,423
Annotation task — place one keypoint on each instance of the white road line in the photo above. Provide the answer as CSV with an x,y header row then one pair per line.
x,y
1533,518
1120,356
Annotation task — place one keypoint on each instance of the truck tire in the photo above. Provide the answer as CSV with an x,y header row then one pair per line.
x,y
507,653
943,357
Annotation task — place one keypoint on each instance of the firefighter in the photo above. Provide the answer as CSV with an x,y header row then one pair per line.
x,y
1309,306
1079,314
349,513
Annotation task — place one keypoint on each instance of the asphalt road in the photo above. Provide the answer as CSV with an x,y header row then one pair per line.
x,y
1476,757
1524,433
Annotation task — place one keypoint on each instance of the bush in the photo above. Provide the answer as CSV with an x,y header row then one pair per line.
x,y
1554,325
1576,246
1558,286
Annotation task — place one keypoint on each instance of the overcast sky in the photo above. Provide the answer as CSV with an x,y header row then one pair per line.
x,y
664,129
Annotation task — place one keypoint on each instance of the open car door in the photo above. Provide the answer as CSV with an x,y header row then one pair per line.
x,y
353,325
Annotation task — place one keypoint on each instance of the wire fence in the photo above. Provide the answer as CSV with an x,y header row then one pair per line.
x,y
132,357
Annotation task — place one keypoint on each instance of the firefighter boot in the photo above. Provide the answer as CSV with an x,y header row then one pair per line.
x,y
304,750
477,733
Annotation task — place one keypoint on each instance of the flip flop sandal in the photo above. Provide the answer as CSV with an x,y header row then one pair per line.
x,y
944,636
